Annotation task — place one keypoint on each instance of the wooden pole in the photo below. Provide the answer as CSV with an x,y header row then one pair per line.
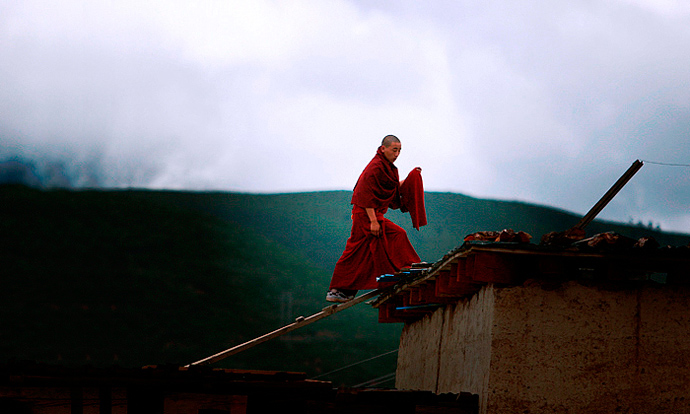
x,y
634,168
299,322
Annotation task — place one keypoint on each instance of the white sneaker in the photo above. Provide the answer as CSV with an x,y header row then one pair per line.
x,y
334,295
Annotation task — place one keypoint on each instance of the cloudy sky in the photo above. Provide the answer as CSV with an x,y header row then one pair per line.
x,y
539,101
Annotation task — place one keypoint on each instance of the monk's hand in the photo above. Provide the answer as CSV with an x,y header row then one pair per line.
x,y
375,228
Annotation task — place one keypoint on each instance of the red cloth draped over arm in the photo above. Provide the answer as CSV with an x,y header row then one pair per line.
x,y
412,198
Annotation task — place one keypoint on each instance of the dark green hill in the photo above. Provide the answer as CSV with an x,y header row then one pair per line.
x,y
140,277
153,277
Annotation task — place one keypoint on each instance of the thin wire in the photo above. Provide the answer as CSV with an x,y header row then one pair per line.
x,y
355,364
665,163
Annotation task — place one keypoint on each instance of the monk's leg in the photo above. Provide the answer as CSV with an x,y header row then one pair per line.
x,y
354,269
398,247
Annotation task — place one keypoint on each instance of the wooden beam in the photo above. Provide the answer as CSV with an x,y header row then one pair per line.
x,y
448,286
468,276
494,268
416,297
388,313
300,322
617,186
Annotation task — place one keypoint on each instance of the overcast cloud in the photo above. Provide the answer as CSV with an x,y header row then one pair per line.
x,y
545,102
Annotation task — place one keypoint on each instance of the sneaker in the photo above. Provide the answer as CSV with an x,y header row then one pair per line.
x,y
334,295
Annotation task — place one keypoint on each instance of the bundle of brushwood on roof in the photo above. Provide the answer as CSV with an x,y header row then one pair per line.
x,y
563,238
608,241
611,241
507,235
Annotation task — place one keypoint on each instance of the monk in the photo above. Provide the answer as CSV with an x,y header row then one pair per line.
x,y
376,245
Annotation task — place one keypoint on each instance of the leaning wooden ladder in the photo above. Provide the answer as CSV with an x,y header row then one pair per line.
x,y
299,322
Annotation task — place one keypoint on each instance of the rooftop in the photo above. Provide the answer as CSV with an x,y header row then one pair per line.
x,y
508,258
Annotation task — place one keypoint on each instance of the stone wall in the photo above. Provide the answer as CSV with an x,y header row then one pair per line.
x,y
568,348
450,350
418,354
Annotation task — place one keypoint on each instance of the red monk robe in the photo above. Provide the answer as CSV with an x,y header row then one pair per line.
x,y
367,256
412,198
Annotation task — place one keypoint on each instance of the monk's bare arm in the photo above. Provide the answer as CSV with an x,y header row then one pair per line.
x,y
375,226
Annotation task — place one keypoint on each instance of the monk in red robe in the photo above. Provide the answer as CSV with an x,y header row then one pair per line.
x,y
376,245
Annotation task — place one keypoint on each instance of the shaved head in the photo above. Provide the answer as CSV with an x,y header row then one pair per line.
x,y
388,140
390,147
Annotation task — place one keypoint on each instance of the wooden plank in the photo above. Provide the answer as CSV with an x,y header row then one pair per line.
x,y
447,286
454,269
494,268
606,198
461,269
388,313
469,269
416,297
405,298
465,271
412,309
428,294
300,322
